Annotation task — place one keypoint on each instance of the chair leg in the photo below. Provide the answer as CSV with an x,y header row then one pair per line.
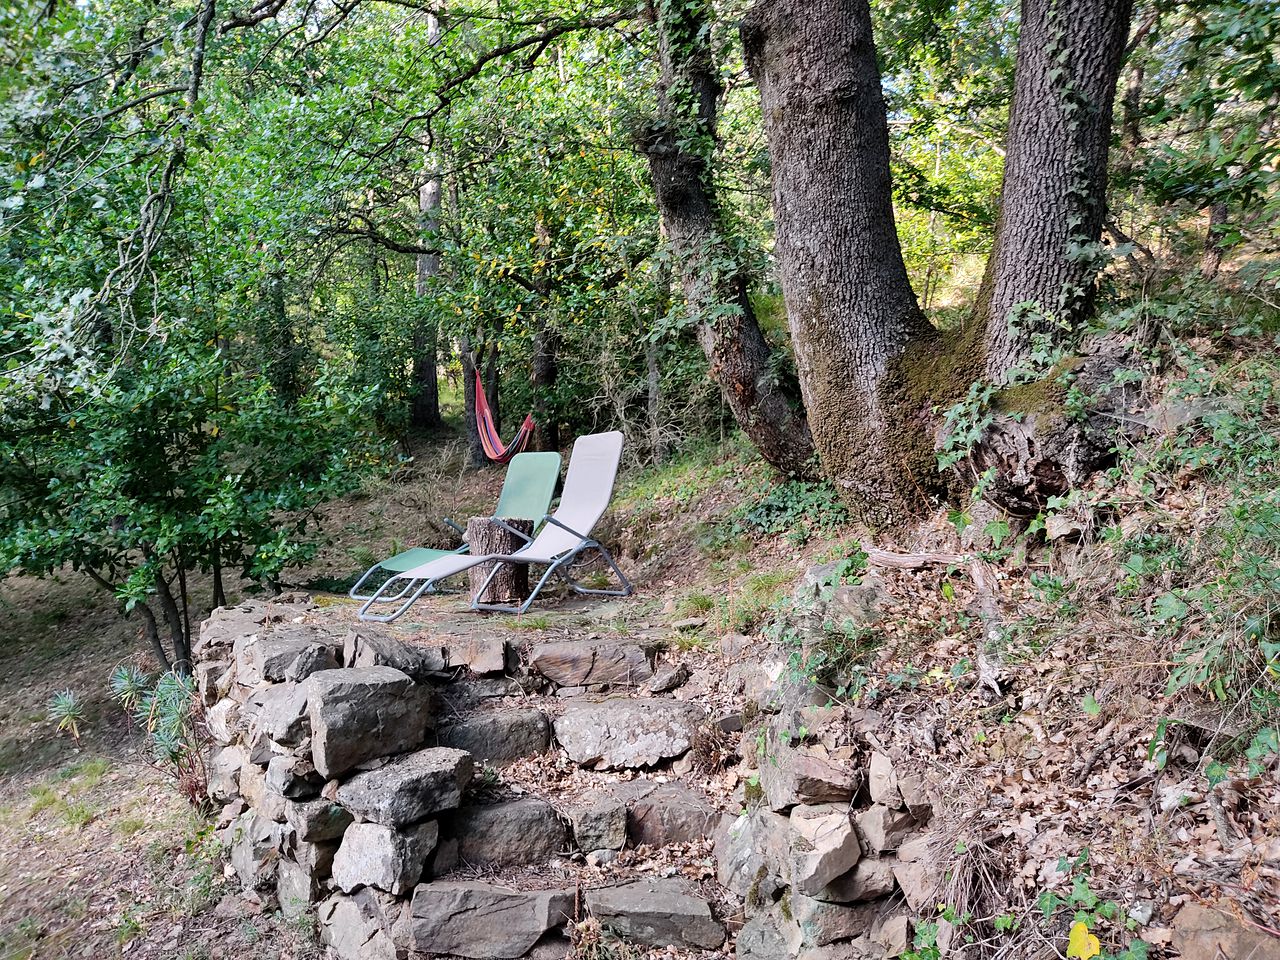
x,y
608,558
524,606
364,613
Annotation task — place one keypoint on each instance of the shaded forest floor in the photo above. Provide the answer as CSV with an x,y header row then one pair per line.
x,y
1103,762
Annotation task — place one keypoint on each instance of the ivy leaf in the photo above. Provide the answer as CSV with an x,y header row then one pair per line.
x,y
1081,944
1090,705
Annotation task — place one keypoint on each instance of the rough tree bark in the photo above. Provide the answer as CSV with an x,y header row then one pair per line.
x,y
850,305
1053,199
546,371
424,411
678,145
475,450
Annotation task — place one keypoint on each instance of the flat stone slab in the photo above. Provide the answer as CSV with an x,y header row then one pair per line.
x,y
659,814
656,913
482,920
291,652
621,733
527,831
363,713
500,736
316,820
579,663
478,654
409,788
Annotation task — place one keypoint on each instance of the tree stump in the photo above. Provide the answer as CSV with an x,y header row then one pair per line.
x,y
511,585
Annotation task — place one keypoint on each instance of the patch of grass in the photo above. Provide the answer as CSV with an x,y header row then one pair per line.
x,y
693,604
43,797
78,814
129,925
86,774
130,825
539,622
685,641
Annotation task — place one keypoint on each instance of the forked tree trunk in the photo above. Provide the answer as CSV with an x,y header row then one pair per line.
x,y
679,145
849,303
1053,199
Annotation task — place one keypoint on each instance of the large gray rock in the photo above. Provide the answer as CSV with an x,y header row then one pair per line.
x,y
824,846
499,736
580,663
390,859
255,850
1202,931
800,775
753,856
293,777
276,712
369,645
483,921
224,773
358,927
409,788
816,923
316,820
253,788
669,813
297,888
362,713
882,829
624,733
599,823
223,721
869,880
213,680
527,831
225,625
656,913
291,652
760,939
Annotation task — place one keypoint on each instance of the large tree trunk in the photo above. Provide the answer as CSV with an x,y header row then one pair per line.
x,y
1053,199
679,145
850,305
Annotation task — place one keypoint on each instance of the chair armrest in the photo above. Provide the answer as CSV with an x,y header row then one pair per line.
x,y
583,537
510,529
449,523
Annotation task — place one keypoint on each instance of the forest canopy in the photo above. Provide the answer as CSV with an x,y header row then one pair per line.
x,y
249,253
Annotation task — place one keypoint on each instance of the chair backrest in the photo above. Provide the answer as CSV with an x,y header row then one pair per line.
x,y
529,486
588,487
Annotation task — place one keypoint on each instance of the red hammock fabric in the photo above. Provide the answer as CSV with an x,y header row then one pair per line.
x,y
489,439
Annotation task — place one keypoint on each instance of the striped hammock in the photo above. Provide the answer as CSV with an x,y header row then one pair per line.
x,y
489,439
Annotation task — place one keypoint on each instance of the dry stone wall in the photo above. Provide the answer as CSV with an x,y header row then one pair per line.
x,y
344,793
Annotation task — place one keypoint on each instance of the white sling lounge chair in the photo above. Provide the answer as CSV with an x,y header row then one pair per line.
x,y
565,535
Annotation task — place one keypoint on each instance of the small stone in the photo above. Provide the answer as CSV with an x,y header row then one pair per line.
x,y
792,776
500,736
600,824
213,680
277,712
753,855
1200,931
389,859
362,713
883,829
656,913
223,721
293,777
600,858
816,923
316,820
358,927
296,888
255,850
894,935
733,645
483,921
224,773
290,652
918,880
882,781
527,831
480,655
824,846
669,678
869,880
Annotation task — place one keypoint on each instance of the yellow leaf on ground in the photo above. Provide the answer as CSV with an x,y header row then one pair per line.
x,y
1082,944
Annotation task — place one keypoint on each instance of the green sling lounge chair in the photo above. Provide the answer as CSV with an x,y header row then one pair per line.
x,y
564,537
526,495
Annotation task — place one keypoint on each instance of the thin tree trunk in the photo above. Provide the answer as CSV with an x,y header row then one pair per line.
x,y
219,592
849,302
1214,247
476,457
653,402
491,391
679,146
174,618
424,412
546,371
1053,199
